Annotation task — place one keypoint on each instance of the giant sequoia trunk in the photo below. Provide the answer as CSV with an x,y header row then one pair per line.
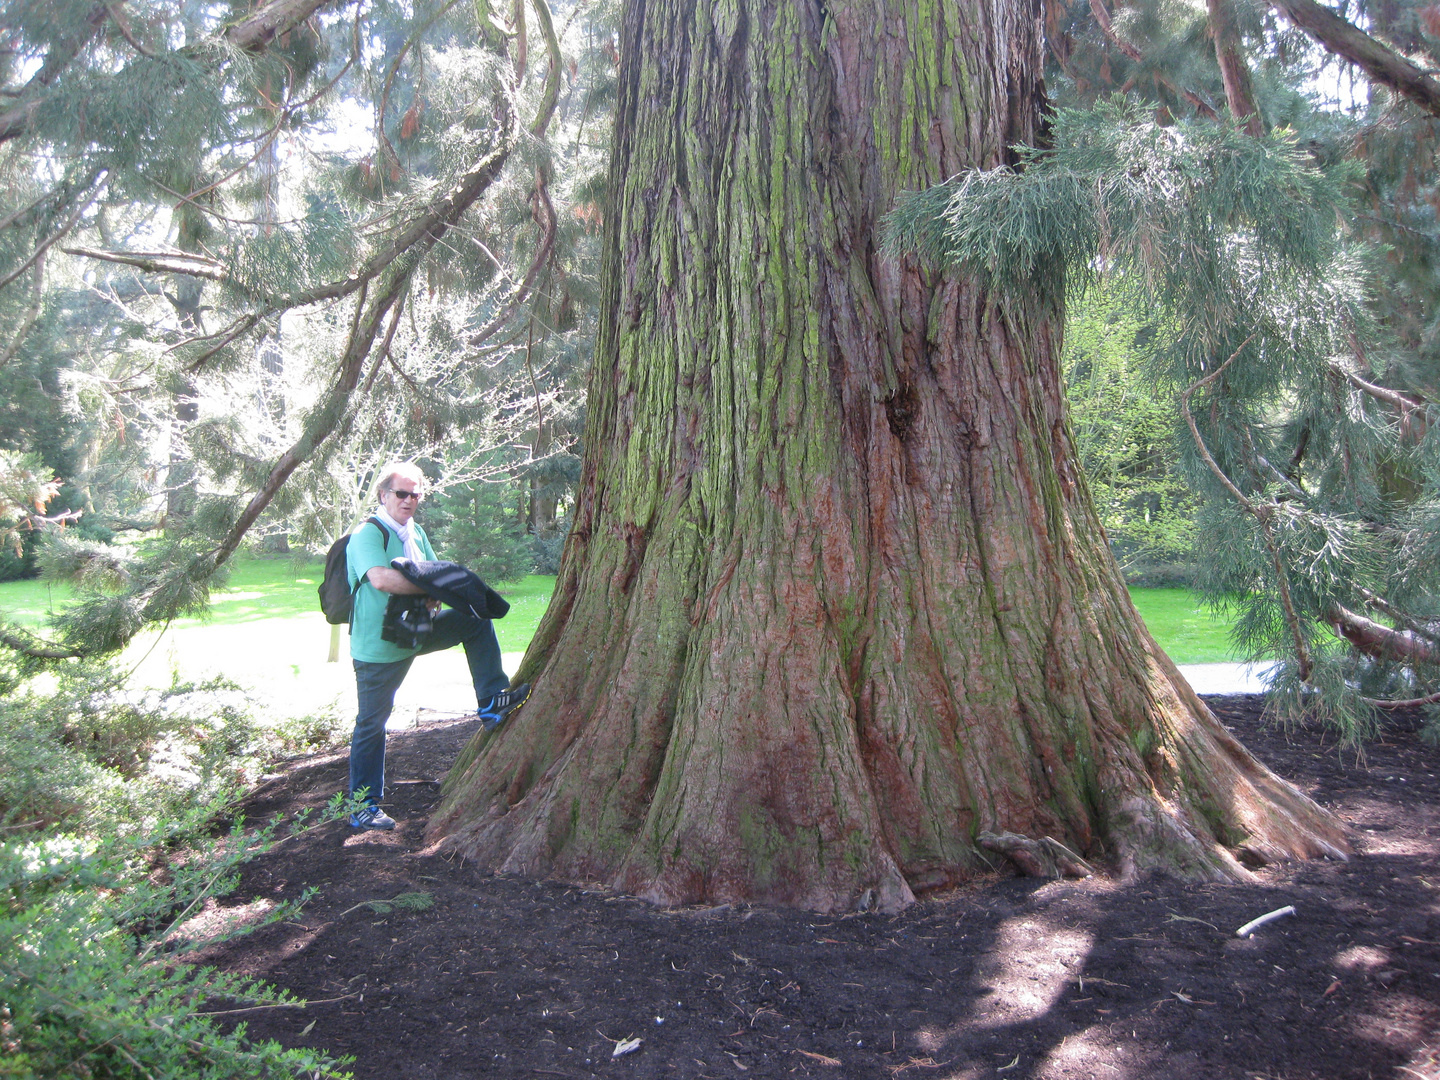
x,y
835,602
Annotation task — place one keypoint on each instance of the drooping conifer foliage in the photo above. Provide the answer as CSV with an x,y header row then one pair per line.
x,y
250,251
1319,481
236,271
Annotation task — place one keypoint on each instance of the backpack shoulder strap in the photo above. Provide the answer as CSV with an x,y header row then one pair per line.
x,y
384,539
384,532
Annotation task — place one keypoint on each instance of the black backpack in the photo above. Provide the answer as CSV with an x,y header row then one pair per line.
x,y
337,595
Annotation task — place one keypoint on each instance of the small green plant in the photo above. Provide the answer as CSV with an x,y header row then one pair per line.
x,y
95,947
406,901
86,753
319,730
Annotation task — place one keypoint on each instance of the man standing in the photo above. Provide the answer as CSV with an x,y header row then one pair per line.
x,y
380,665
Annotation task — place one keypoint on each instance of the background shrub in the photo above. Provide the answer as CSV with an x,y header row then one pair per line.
x,y
87,755
94,975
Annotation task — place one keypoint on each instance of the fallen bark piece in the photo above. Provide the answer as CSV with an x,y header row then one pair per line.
x,y
1072,864
1046,857
1270,916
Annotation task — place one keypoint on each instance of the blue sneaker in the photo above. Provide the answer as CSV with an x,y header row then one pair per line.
x,y
493,712
372,817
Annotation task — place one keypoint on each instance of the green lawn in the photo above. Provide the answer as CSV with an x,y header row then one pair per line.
x,y
1184,629
265,631
267,589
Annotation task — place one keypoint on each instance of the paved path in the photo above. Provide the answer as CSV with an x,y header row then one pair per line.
x,y
1226,678
447,690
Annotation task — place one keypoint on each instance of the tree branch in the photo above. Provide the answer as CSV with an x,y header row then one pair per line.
x,y
551,96
1296,491
427,227
1379,62
1390,611
16,121
237,329
1107,27
440,215
252,34
1234,72
1102,19
327,416
39,252
1261,514
14,216
1380,641
157,262
37,296
1405,404
1407,703
118,18
544,213
331,415
1195,431
29,645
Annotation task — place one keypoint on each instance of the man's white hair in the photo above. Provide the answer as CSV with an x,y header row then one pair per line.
x,y
404,469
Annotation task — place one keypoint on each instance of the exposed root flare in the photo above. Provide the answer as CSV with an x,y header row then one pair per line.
x,y
1046,857
1148,836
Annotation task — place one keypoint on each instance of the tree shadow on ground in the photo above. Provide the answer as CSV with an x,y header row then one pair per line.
x,y
1006,978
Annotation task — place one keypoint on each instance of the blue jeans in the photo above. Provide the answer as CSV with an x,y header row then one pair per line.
x,y
376,684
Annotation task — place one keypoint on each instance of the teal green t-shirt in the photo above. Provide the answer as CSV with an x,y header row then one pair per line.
x,y
365,551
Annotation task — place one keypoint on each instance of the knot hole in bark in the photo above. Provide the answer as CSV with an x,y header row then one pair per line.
x,y
900,410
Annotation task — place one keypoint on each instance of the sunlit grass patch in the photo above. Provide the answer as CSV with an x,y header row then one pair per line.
x,y
1183,626
265,624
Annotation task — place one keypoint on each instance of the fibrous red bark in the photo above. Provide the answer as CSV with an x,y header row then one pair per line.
x,y
1234,72
835,601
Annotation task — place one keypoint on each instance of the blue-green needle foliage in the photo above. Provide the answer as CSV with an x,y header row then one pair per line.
x,y
1203,222
1231,251
96,960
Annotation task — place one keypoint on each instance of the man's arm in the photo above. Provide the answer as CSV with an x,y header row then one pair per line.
x,y
388,580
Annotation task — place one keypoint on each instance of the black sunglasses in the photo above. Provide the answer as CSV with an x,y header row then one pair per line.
x,y
404,496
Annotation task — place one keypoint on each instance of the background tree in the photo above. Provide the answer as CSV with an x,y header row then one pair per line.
x,y
1349,433
836,614
1123,419
281,297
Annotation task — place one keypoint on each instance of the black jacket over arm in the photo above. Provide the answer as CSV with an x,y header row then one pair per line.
x,y
452,584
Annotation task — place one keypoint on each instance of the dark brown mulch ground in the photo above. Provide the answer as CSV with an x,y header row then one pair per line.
x,y
1011,978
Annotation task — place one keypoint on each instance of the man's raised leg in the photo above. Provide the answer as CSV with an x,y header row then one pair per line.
x,y
493,697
